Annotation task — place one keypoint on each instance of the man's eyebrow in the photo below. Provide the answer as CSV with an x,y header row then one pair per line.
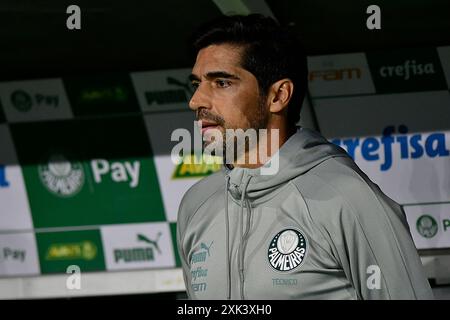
x,y
221,74
214,75
193,77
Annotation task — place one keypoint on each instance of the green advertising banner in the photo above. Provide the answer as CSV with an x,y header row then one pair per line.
x,y
59,250
173,231
106,177
101,95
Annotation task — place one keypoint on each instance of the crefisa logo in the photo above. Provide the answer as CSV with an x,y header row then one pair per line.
x,y
62,177
407,70
409,146
287,250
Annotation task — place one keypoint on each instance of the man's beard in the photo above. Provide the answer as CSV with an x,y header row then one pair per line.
x,y
256,120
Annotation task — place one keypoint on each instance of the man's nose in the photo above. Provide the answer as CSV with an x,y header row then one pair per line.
x,y
200,99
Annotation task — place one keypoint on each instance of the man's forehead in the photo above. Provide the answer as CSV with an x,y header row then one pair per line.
x,y
217,57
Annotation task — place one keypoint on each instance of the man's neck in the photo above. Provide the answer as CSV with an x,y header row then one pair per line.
x,y
266,147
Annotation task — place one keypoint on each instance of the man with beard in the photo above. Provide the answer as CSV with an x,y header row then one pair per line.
x,y
317,228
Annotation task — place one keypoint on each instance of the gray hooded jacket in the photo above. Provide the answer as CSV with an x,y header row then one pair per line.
x,y
317,229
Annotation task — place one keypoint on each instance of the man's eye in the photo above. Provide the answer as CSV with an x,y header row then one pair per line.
x,y
223,83
195,85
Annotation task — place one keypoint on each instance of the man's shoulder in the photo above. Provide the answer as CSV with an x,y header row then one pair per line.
x,y
199,193
337,173
339,183
343,175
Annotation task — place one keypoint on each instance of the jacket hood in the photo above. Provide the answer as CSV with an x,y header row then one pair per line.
x,y
300,153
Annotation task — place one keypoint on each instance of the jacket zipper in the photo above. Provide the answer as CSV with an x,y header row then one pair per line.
x,y
242,246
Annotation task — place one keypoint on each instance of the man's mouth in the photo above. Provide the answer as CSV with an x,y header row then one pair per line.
x,y
206,125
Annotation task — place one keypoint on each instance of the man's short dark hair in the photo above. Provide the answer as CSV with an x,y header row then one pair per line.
x,y
270,52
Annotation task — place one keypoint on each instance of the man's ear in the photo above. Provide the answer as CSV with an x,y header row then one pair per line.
x,y
280,93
